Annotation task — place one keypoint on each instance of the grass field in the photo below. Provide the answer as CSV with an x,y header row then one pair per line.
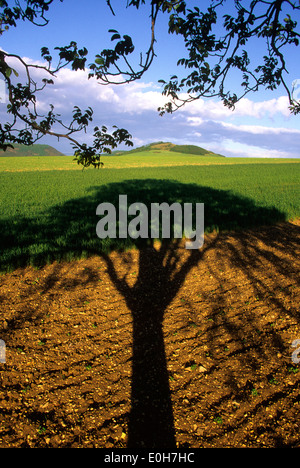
x,y
144,159
48,204
158,347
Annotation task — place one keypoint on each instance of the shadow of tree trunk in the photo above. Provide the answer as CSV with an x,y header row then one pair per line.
x,y
151,421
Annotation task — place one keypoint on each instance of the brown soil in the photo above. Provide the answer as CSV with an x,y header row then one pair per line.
x,y
157,347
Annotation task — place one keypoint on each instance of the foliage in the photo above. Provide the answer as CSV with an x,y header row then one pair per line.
x,y
210,57
26,126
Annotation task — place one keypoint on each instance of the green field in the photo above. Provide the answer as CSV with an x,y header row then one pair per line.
x,y
146,159
48,204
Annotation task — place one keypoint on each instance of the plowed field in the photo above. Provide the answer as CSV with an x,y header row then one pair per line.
x,y
161,347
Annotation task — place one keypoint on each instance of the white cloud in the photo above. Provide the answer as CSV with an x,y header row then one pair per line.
x,y
74,88
279,141
211,109
251,129
245,107
207,109
239,150
138,97
207,123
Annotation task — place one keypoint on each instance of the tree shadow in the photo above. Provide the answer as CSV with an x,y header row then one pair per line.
x,y
151,423
69,230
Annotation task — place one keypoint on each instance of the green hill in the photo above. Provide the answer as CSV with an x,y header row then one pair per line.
x,y
33,150
190,149
167,146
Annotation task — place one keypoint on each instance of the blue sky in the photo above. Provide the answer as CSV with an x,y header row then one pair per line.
x,y
261,125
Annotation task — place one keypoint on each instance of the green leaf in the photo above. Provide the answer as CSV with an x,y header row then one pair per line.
x,y
99,61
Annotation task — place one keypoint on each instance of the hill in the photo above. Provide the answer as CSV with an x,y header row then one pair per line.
x,y
167,146
33,150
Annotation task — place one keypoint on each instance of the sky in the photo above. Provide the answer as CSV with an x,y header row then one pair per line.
x,y
260,126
